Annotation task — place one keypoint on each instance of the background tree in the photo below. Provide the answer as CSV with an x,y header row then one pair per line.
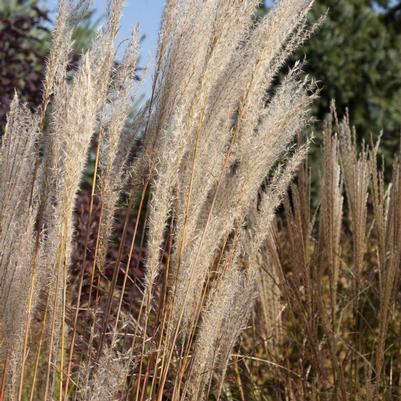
x,y
24,41
356,55
24,44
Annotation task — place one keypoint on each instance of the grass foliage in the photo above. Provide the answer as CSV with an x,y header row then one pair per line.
x,y
182,282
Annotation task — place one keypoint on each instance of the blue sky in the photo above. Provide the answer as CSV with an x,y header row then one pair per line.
x,y
146,13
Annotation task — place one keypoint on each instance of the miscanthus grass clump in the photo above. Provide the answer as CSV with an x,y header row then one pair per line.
x,y
332,274
216,155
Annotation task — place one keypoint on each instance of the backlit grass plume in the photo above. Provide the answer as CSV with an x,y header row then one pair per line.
x,y
216,155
